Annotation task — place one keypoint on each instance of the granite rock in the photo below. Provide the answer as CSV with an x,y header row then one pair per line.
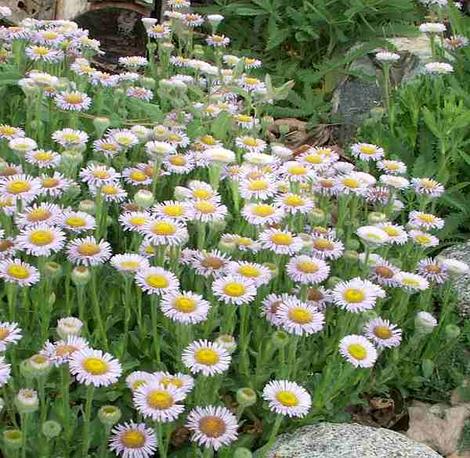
x,y
342,440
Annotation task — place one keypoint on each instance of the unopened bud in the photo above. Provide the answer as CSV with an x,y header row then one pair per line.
x,y
81,275
425,323
144,198
109,415
242,452
39,365
376,217
280,339
227,341
452,331
87,206
51,429
246,397
52,269
13,439
69,326
101,123
27,401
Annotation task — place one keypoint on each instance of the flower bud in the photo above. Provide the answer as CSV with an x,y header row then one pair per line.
x,y
425,323
52,269
351,255
148,83
81,275
101,123
226,247
69,326
51,429
27,401
246,397
87,206
109,415
353,244
376,217
333,281
427,367
25,370
242,452
227,341
71,158
198,51
280,339
317,216
144,198
13,438
452,332
39,365
179,193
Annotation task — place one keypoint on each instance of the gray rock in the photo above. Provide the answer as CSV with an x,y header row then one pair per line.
x,y
342,440
461,284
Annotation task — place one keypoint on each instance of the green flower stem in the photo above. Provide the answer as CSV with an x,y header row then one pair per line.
x,y
101,331
86,420
272,436
154,301
65,392
24,429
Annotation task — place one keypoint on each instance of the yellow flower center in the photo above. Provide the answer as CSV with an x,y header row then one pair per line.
x,y
212,426
75,221
38,214
357,351
323,244
157,281
95,366
173,210
263,210
234,289
423,239
314,159
249,271
73,99
50,182
208,140
133,439
109,189
297,170
137,175
101,174
427,218
130,265
88,249
206,356
41,237
43,156
250,141
294,200
281,239
163,228
351,183
201,193
4,333
17,271
300,315
383,332
7,130
408,281
307,267
19,186
185,304
368,149
257,185
391,231
160,399
205,206
354,295
243,118
138,220
251,81
49,35
41,50
244,241
166,381
287,398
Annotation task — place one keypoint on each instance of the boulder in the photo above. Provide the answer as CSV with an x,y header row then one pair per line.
x,y
344,440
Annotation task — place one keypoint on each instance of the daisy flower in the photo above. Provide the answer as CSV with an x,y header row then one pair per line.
x,y
59,353
383,333
296,172
107,146
55,185
179,4
69,138
234,289
432,27
179,163
125,138
198,190
174,210
133,440
73,101
185,307
212,263
307,270
270,307
88,252
280,241
351,183
433,270
111,192
158,402
129,262
208,211
165,231
69,326
24,187
251,144
367,151
394,181
358,351
140,93
412,282
133,61
41,240
156,280
392,167
257,273
425,221
208,358
299,318
43,159
134,221
258,189
372,235
159,150
19,272
10,333
43,53
384,273
262,214
287,398
357,295
136,177
294,204
22,145
427,187
159,31
423,239
212,426
218,41
326,247
387,57
9,132
38,213
93,367
76,221
98,175
137,379
396,233
183,382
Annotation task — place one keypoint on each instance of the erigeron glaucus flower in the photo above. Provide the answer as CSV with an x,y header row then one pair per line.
x,y
456,42
427,187
218,41
208,358
8,132
69,326
294,203
59,353
257,273
192,20
383,333
245,121
129,262
123,137
140,93
137,379
10,334
251,144
104,79
423,239
432,27
212,427
367,151
241,243
69,138
372,235
392,167
156,149
351,183
295,172
280,241
270,307
94,367
433,270
156,280
438,68
396,233
143,133
259,159
5,371
185,307
22,145
384,273
287,398
299,318
327,247
133,61
183,382
134,221
258,189
38,213
357,295
220,155
73,101
212,263
282,152
179,163
307,270
412,282
425,221
98,175
7,248
173,210
44,54
133,440
48,37
88,251
262,214
107,146
165,231
111,192
159,31
207,211
136,177
19,272
250,83
234,289
387,57
358,351
40,240
54,185
7,205
394,181
43,158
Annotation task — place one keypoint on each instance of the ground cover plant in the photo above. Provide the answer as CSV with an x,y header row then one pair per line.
x,y
172,284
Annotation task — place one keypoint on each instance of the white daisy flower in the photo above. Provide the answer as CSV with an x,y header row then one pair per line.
x,y
98,175
9,132
412,282
296,172
208,211
384,273
387,57
137,379
134,221
260,214
88,251
394,181
183,382
133,61
174,210
299,318
294,204
125,138
179,163
129,262
212,263
257,273
156,280
392,167
22,187
280,241
367,151
55,185
432,27
44,54
59,353
69,138
307,270
396,233
270,307
93,367
136,177
261,188
10,333
208,358
133,440
234,289
287,398
158,402
372,235
5,371
427,187
165,231
423,239
250,144
43,159
38,213
107,146
358,351
159,31
19,272
212,426
73,101
425,221
357,295
185,307
159,150
383,333
41,240
433,270
77,221
111,192
326,247
218,41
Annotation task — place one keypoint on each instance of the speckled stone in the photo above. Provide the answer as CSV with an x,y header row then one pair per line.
x,y
343,440
461,252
